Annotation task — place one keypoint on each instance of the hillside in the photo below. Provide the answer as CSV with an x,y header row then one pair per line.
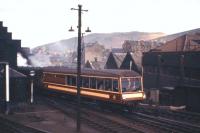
x,y
97,45
115,40
63,52
108,40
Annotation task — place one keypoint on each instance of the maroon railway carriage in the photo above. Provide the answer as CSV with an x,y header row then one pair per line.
x,y
117,86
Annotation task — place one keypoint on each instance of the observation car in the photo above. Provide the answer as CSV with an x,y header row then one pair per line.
x,y
115,86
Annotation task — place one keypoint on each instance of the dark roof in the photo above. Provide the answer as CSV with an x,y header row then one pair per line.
x,y
104,72
119,57
114,60
187,42
137,57
97,65
13,73
126,63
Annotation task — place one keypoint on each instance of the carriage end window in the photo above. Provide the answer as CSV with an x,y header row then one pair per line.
x,y
131,84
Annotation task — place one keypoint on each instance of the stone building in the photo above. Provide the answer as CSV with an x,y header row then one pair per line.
x,y
8,54
173,69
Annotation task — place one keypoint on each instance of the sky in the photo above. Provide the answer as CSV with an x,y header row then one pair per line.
x,y
37,22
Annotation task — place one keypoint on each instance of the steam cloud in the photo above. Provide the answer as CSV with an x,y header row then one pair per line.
x,y
21,61
40,60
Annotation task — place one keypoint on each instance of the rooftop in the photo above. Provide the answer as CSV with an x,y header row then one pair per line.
x,y
89,72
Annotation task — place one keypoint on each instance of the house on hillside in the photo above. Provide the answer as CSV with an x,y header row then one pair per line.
x,y
139,45
96,65
95,50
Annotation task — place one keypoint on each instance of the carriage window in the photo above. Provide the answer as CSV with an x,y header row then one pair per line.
x,y
108,84
93,83
60,76
100,84
131,84
115,85
85,82
71,80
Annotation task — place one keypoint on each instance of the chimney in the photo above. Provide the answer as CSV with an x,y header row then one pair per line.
x,y
95,59
1,24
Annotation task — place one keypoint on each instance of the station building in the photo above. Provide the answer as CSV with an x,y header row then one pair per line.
x,y
8,47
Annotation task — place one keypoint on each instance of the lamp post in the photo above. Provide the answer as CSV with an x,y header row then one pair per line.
x,y
78,124
32,73
4,70
6,86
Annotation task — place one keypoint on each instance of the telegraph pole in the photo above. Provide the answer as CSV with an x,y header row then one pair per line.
x,y
79,70
78,124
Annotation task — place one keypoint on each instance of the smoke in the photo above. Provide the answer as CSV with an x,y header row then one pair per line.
x,y
21,61
58,54
40,60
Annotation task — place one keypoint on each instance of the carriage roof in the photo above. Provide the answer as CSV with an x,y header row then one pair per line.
x,y
91,72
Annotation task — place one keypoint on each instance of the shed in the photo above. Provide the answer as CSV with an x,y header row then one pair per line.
x,y
18,86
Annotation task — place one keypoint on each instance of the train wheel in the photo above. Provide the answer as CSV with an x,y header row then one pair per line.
x,y
129,108
132,107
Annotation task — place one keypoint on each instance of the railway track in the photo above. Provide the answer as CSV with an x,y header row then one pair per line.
x,y
165,124
91,118
8,126
147,117
189,117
